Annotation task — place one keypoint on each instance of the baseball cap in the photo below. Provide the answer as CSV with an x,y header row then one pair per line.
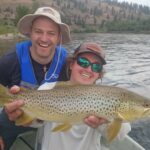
x,y
91,48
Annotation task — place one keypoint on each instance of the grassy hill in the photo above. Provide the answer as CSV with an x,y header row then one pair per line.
x,y
83,15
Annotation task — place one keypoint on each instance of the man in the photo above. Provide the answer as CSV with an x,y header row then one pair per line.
x,y
34,61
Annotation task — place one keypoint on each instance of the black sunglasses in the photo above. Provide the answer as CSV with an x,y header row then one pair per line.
x,y
84,62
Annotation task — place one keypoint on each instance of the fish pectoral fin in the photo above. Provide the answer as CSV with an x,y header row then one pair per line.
x,y
62,127
24,119
121,117
127,116
113,129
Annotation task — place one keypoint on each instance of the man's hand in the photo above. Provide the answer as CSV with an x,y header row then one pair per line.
x,y
94,121
12,109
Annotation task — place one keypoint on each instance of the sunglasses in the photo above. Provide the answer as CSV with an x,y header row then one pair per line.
x,y
85,63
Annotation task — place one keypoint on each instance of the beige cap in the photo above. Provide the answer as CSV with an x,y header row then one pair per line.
x,y
91,48
25,23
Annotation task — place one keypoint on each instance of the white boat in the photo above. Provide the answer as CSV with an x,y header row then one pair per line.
x,y
126,144
26,141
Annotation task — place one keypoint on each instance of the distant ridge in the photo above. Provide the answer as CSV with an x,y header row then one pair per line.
x,y
81,15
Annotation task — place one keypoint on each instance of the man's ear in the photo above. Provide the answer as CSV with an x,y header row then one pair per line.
x,y
29,34
59,39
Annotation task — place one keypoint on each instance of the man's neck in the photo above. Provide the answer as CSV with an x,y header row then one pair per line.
x,y
42,60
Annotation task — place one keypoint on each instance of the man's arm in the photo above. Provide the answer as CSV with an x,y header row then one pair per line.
x,y
9,70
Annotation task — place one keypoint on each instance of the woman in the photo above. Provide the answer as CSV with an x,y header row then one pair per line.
x,y
84,67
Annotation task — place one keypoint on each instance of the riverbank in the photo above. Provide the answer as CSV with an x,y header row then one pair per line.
x,y
11,36
18,36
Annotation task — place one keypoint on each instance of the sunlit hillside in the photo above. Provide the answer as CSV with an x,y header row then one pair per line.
x,y
80,14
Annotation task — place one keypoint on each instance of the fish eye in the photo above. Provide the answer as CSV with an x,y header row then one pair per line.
x,y
147,105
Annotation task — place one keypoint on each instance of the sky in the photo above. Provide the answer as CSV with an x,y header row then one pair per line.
x,y
143,2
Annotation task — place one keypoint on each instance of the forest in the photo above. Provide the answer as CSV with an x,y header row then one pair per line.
x,y
83,15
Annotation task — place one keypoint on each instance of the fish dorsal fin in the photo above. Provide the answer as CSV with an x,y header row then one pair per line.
x,y
62,127
66,84
23,89
55,85
47,86
114,128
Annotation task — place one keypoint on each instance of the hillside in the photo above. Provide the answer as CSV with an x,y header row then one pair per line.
x,y
79,14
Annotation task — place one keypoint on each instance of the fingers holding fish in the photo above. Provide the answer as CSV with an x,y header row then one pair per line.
x,y
15,89
94,121
13,110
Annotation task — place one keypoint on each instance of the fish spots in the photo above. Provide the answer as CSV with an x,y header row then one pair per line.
x,y
74,103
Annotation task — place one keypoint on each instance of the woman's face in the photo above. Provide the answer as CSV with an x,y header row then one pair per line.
x,y
83,75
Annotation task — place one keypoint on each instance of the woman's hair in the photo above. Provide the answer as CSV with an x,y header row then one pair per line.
x,y
69,60
72,59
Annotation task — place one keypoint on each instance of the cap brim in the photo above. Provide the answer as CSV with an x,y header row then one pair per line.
x,y
93,52
25,24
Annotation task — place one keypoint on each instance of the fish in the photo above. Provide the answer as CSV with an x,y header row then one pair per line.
x,y
69,104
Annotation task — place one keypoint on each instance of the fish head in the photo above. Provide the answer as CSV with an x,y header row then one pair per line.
x,y
139,109
134,107
146,106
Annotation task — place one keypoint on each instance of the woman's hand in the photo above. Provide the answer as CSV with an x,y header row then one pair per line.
x,y
94,121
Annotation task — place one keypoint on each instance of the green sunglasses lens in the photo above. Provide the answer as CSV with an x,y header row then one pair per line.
x,y
83,62
96,67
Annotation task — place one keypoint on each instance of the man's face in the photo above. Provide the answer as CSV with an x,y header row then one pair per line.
x,y
44,36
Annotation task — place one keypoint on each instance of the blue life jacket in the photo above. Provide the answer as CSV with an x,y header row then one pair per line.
x,y
28,78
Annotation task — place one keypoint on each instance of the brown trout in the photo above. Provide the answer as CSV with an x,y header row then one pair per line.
x,y
70,104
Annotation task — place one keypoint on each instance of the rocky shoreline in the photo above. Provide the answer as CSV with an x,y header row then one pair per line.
x,y
11,36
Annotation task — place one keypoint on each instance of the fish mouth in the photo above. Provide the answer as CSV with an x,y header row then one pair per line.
x,y
146,112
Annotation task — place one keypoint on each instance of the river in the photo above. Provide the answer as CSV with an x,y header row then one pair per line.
x,y
128,66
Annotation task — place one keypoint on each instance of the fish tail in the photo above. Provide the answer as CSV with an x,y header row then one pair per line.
x,y
5,96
